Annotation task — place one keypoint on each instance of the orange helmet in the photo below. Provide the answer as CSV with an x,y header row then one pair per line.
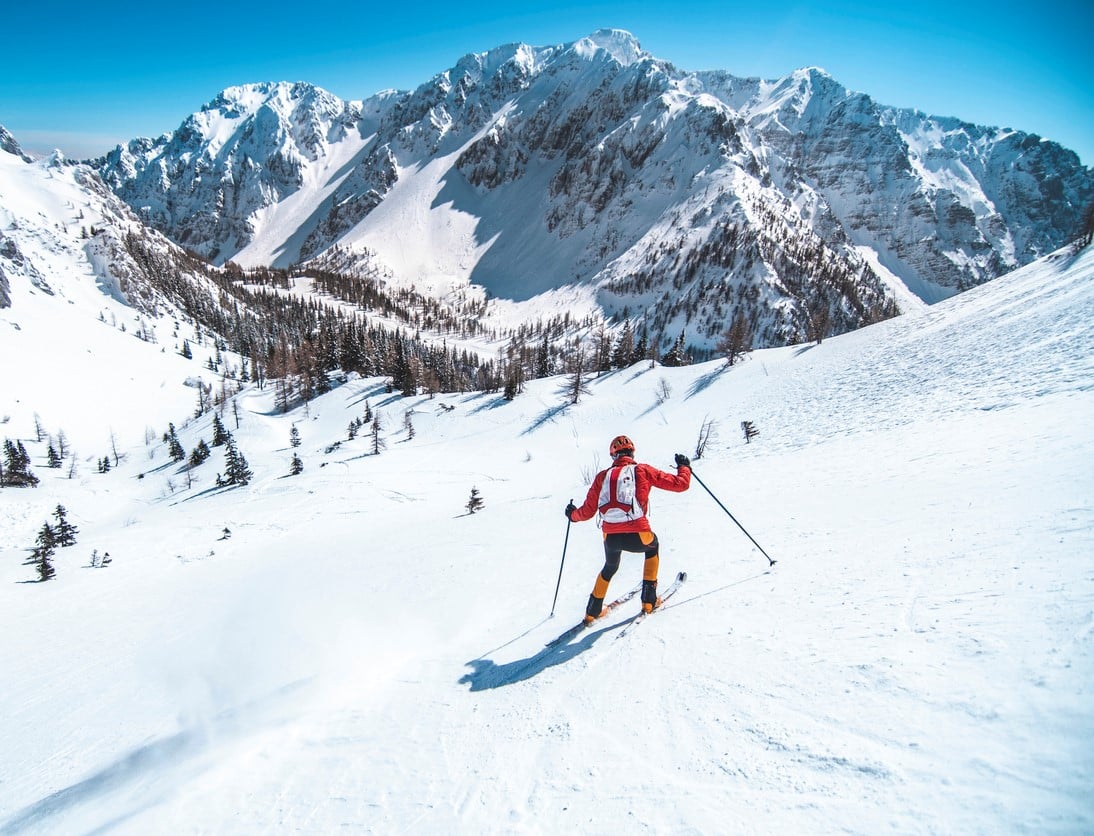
x,y
621,444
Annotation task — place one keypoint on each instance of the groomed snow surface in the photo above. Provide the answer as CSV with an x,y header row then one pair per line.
x,y
363,655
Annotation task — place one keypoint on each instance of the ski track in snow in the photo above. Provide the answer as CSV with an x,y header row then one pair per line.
x,y
362,654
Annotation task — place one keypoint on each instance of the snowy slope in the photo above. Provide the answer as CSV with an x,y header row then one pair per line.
x,y
75,352
361,654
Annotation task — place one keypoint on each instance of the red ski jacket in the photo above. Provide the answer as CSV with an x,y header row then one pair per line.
x,y
646,477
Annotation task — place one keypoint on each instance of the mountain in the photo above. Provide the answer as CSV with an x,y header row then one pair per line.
x,y
676,198
349,650
92,301
75,260
10,144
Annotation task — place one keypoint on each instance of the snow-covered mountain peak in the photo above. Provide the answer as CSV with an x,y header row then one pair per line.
x,y
809,93
530,169
815,76
287,103
477,66
9,144
618,43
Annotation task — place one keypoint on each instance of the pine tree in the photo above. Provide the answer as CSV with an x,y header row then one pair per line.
x,y
543,359
624,348
53,458
16,472
642,348
174,446
678,355
603,358
44,548
199,454
236,470
65,532
377,441
220,435
475,503
47,537
297,465
294,436
575,383
514,378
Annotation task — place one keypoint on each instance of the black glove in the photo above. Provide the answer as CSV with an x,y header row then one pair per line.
x,y
682,460
569,510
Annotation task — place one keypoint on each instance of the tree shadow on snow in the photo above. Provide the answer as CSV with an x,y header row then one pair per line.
x,y
490,403
704,382
487,674
547,416
359,396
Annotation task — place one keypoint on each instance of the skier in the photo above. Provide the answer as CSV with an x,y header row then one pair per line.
x,y
621,494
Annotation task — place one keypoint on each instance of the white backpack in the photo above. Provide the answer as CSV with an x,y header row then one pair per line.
x,y
618,501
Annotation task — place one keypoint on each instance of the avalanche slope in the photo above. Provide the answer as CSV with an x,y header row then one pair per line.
x,y
350,649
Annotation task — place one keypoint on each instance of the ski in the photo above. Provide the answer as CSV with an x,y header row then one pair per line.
x,y
581,625
674,587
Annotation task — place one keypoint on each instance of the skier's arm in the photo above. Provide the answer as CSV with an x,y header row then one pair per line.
x,y
681,481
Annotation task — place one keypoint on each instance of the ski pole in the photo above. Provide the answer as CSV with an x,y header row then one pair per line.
x,y
565,542
770,562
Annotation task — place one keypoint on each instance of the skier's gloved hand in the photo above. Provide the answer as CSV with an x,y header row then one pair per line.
x,y
569,510
682,460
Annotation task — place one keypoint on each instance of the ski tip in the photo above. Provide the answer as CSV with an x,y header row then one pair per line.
x,y
683,576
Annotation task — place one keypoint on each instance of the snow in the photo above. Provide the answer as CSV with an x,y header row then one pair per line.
x,y
621,45
71,355
430,245
297,212
362,654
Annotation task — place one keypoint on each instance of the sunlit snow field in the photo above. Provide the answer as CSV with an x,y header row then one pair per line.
x,y
363,655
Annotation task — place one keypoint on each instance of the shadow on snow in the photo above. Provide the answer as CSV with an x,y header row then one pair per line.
x,y
487,674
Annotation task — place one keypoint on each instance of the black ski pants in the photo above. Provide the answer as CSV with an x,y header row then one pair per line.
x,y
644,542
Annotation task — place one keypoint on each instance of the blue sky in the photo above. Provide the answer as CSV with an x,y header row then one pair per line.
x,y
84,77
